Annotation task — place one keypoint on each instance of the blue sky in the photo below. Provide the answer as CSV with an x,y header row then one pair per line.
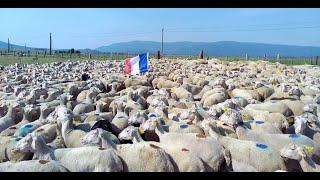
x,y
91,28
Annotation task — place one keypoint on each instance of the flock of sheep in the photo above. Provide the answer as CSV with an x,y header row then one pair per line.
x,y
182,116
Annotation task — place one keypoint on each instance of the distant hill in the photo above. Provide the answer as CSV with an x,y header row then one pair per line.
x,y
222,48
4,46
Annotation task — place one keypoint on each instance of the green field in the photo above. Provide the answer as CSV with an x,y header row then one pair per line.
x,y
41,59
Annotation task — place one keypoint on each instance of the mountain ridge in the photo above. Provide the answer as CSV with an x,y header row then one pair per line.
x,y
219,48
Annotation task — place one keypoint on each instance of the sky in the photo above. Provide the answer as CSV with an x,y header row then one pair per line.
x,y
92,28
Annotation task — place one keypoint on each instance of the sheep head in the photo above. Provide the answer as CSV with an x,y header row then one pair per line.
x,y
292,151
295,91
128,133
137,118
25,144
92,137
231,117
300,124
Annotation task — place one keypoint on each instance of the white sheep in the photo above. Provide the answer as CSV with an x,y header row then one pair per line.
x,y
140,157
32,166
82,159
302,155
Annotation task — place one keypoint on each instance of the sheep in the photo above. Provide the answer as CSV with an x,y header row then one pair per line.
x,y
210,92
248,155
9,119
32,166
98,114
82,159
139,157
231,117
7,145
201,93
193,89
13,129
86,106
277,119
193,141
262,126
166,84
70,135
296,106
265,92
184,159
214,99
246,94
57,143
31,126
120,120
273,107
182,93
131,104
277,141
301,127
298,153
137,118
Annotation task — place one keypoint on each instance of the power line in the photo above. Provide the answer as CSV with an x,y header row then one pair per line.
x,y
267,29
249,25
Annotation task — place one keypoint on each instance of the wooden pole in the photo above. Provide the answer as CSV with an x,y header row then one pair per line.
x,y
158,55
317,60
201,54
162,43
50,53
8,46
246,57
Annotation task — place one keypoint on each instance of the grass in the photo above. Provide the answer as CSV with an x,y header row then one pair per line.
x,y
40,59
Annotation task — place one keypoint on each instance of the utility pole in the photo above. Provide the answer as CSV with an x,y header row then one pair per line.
x,y
8,45
25,48
50,45
162,43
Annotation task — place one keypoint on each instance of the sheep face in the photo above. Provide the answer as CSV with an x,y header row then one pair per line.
x,y
127,133
295,91
137,118
284,87
149,125
258,84
292,151
231,117
91,137
25,144
300,124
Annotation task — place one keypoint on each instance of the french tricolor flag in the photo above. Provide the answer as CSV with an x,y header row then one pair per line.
x,y
137,64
